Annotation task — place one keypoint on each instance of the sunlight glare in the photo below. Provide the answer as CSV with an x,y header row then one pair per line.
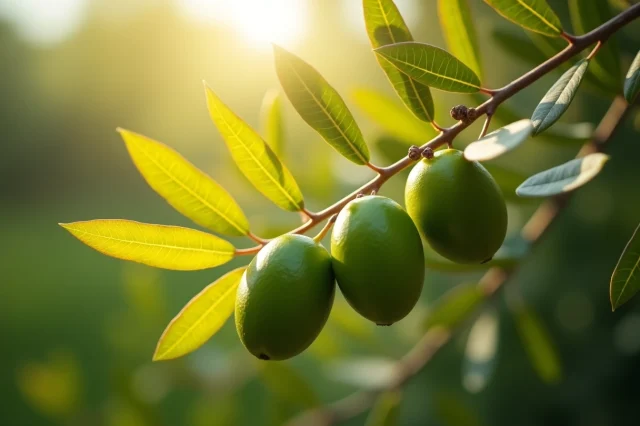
x,y
259,21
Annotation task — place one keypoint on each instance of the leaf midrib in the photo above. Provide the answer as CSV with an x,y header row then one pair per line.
x,y
167,246
198,321
351,145
186,188
237,137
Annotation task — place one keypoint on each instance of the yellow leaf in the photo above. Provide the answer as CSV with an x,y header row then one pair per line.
x,y
185,187
200,319
168,247
253,156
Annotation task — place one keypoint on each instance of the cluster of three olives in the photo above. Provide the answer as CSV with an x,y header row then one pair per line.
x,y
286,293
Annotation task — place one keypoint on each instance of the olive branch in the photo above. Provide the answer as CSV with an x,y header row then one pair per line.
x,y
413,69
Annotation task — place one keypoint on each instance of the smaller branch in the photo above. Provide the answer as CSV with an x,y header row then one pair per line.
x,y
375,168
486,91
437,126
325,230
248,251
257,239
595,50
485,127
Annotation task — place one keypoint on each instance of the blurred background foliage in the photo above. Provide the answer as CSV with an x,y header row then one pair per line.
x,y
78,329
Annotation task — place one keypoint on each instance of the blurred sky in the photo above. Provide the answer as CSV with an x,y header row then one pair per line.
x,y
47,22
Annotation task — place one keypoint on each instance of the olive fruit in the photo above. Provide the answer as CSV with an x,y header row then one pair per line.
x,y
285,297
457,206
378,258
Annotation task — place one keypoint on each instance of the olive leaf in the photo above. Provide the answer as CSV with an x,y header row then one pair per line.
x,y
168,247
454,306
184,186
320,106
587,15
564,178
499,142
392,117
254,158
386,409
558,98
632,80
201,318
272,125
625,281
534,15
460,32
540,349
481,350
385,25
431,66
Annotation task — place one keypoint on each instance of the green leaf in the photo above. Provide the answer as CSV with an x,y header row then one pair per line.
x,y
625,281
168,247
272,122
185,187
480,354
563,178
254,157
558,98
392,116
385,26
538,345
632,80
499,142
457,305
534,15
386,409
431,66
201,318
288,384
587,15
320,106
460,32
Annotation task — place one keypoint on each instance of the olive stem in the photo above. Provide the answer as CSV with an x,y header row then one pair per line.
x,y
485,127
248,251
257,239
437,126
323,232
